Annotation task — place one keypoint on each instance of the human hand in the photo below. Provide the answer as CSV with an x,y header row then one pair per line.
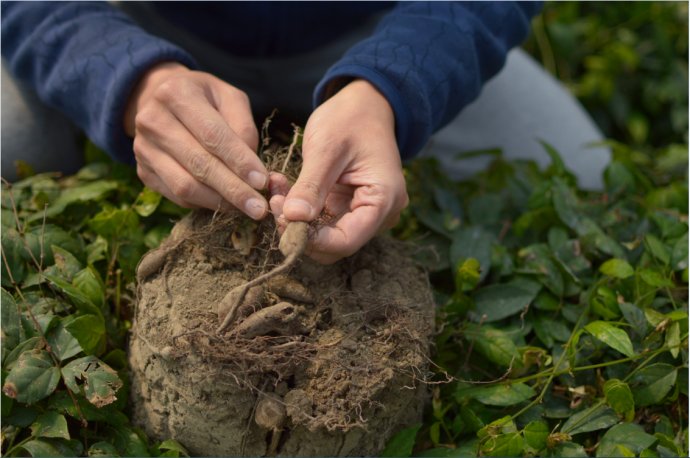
x,y
195,140
351,168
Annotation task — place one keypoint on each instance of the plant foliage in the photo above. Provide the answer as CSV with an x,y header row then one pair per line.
x,y
563,314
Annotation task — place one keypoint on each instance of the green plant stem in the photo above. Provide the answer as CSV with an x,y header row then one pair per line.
x,y
19,445
541,395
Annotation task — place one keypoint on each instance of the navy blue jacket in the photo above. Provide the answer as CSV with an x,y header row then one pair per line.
x,y
429,59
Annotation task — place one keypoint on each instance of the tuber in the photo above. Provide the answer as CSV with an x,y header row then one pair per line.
x,y
292,244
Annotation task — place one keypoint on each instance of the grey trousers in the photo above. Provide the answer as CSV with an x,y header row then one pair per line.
x,y
515,110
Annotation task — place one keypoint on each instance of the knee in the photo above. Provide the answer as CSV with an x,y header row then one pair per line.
x,y
35,133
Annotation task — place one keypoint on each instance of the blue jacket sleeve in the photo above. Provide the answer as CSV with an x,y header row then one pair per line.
x,y
84,59
430,59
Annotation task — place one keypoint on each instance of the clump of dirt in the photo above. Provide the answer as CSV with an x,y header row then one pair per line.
x,y
318,360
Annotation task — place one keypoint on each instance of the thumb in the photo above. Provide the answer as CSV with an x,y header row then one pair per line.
x,y
307,196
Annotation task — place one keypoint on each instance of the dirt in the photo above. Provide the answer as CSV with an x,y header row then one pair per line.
x,y
324,360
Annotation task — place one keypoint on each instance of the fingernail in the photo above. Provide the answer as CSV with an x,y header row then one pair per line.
x,y
257,180
255,207
297,208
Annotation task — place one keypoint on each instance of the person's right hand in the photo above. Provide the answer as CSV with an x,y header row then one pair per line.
x,y
195,140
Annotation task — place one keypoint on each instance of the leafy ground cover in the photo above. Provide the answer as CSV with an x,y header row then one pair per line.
x,y
563,326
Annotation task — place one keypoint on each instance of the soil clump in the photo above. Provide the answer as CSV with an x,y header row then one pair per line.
x,y
319,360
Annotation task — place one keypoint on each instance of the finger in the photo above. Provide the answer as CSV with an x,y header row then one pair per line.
x,y
234,106
151,180
178,185
209,170
196,111
349,234
306,198
276,203
278,184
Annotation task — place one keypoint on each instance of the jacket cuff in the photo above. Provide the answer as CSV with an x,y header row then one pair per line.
x,y
117,143
409,136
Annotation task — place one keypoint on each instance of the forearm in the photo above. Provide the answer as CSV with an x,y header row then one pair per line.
x,y
84,59
431,59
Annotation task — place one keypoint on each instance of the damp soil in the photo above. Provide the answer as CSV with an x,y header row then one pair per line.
x,y
322,360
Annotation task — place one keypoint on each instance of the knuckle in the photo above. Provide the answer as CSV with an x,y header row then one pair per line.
x,y
200,166
310,188
241,96
249,134
168,90
183,188
212,135
144,120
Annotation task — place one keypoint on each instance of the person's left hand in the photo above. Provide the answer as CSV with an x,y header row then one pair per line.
x,y
351,169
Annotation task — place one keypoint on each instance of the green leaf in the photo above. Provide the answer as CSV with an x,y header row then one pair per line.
x,y
620,398
657,248
113,222
535,433
41,239
96,190
510,444
617,268
591,419
467,275
67,264
635,318
569,450
627,435
565,203
47,447
550,331
651,384
31,343
538,259
103,449
97,250
435,432
655,278
494,344
100,383
88,282
13,249
499,301
80,300
33,377
472,242
50,424
12,332
174,446
612,336
62,343
147,202
679,253
402,443
497,395
89,330
673,339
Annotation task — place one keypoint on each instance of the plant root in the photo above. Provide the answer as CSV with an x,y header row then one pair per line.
x,y
293,243
280,319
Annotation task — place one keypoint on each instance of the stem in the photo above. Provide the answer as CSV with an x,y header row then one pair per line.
x,y
541,395
118,292
19,445
295,136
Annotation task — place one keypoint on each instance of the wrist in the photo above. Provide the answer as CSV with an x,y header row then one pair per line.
x,y
142,91
366,96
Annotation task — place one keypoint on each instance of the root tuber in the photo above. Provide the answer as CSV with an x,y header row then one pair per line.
x,y
292,244
289,288
281,319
